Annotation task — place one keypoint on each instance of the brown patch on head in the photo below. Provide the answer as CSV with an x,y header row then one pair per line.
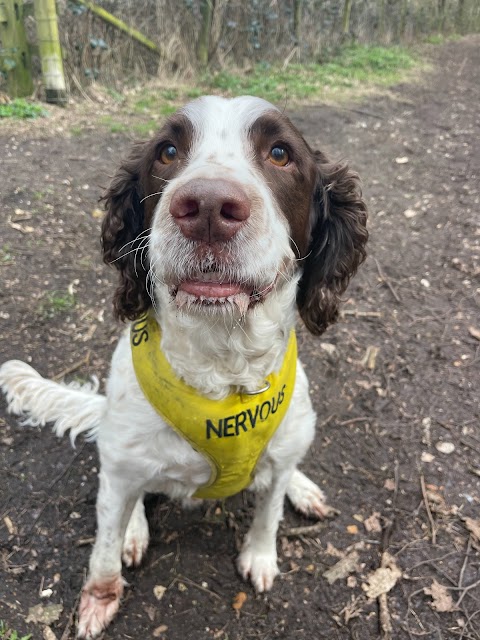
x,y
177,131
323,204
292,185
130,202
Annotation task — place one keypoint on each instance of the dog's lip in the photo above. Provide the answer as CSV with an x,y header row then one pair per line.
x,y
212,289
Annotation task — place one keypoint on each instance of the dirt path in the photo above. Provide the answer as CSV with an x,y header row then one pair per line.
x,y
401,379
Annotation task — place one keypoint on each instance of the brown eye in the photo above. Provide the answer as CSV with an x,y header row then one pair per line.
x,y
279,156
168,154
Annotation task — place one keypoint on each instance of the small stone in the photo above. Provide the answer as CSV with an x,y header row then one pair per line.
x,y
427,457
445,447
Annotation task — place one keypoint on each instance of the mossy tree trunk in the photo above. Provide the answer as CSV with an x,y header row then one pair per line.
x,y
207,8
297,20
347,10
461,22
50,51
15,60
381,20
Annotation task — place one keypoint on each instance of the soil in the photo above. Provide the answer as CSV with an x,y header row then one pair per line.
x,y
395,384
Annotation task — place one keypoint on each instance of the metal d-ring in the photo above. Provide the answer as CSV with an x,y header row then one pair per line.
x,y
255,393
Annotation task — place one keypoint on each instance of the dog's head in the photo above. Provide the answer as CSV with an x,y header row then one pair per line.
x,y
228,204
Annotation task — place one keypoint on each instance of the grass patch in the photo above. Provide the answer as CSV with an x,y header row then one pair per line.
x,y
115,126
76,131
20,108
55,303
6,257
9,634
354,66
145,129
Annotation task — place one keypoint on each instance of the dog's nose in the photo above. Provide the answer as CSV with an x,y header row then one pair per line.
x,y
210,210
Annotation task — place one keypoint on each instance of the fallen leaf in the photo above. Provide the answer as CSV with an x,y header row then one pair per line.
x,y
333,551
160,630
441,599
474,332
44,614
12,529
48,634
352,529
474,527
342,568
330,349
383,579
372,524
159,591
239,600
389,484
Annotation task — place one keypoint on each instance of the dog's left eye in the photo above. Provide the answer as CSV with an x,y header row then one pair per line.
x,y
168,154
279,156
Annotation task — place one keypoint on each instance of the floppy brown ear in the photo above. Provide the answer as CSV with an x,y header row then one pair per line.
x,y
122,236
337,244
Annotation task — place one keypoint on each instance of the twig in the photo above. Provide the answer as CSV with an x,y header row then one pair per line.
x,y
84,542
66,631
385,620
50,487
287,60
309,530
84,361
361,314
362,112
466,590
198,586
429,513
386,281
459,72
353,421
464,565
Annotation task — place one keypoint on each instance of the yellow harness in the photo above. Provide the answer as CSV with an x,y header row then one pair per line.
x,y
231,433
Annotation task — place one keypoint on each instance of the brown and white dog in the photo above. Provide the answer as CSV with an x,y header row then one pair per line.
x,y
224,224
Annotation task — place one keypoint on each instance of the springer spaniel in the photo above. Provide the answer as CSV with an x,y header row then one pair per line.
x,y
221,226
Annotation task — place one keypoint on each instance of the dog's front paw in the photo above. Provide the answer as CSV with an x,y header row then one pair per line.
x,y
136,539
98,605
308,498
260,566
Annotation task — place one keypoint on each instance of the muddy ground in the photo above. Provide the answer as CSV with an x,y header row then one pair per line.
x,y
395,394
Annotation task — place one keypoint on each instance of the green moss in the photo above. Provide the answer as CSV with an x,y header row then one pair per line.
x,y
353,66
55,303
145,128
10,634
21,108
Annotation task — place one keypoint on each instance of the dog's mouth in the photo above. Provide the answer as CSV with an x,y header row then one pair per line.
x,y
210,290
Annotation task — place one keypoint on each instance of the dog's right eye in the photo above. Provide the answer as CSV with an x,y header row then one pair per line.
x,y
168,154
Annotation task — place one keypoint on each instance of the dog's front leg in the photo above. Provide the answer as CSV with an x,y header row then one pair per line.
x,y
258,558
102,592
